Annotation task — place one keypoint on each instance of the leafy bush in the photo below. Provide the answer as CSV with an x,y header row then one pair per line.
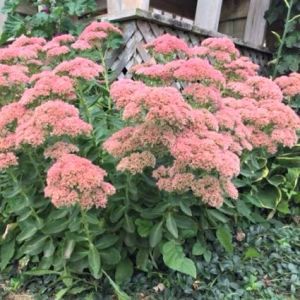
x,y
283,18
197,114
264,266
50,17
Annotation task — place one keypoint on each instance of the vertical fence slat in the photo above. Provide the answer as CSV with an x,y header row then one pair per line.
x,y
117,6
208,14
256,23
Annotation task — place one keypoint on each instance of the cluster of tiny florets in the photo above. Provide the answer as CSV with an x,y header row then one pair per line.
x,y
193,111
73,179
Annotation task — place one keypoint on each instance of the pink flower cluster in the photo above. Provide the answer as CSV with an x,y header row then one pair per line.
x,y
49,85
41,117
52,118
7,160
59,45
95,34
73,179
184,125
59,149
290,85
221,50
22,50
13,75
79,67
168,44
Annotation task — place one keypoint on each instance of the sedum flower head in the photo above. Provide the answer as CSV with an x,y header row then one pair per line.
x,y
75,180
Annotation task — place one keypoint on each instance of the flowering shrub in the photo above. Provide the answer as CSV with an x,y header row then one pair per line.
x,y
46,120
199,110
69,200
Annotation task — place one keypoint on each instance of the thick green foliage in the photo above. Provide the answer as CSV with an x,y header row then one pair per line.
x,y
263,266
284,16
50,17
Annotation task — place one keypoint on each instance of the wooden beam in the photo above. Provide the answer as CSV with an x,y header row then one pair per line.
x,y
117,6
208,14
256,23
184,8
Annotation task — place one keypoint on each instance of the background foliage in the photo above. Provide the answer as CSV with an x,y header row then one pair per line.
x,y
51,17
289,58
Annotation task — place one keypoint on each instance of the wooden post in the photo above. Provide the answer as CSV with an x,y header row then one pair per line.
x,y
256,23
117,6
208,14
2,16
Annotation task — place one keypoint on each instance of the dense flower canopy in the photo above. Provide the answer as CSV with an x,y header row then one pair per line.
x,y
39,81
192,114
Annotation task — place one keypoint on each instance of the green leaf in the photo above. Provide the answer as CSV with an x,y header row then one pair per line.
x,y
276,180
175,259
268,196
207,256
106,241
198,249
128,224
124,271
171,225
110,256
155,235
7,252
283,207
26,233
216,215
251,253
117,213
35,246
120,294
94,260
143,227
69,249
185,208
225,238
56,226
243,208
59,295
289,162
41,272
142,259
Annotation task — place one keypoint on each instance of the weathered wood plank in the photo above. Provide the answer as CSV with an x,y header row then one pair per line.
x,y
234,9
142,52
256,23
208,14
185,8
157,30
116,6
145,30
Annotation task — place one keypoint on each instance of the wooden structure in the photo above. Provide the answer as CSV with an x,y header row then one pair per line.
x,y
243,19
192,20
140,27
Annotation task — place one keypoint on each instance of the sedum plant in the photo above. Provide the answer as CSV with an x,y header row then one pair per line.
x,y
193,113
87,195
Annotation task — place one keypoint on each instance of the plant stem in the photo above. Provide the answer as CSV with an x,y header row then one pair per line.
x,y
23,193
105,75
85,108
282,42
36,168
85,225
